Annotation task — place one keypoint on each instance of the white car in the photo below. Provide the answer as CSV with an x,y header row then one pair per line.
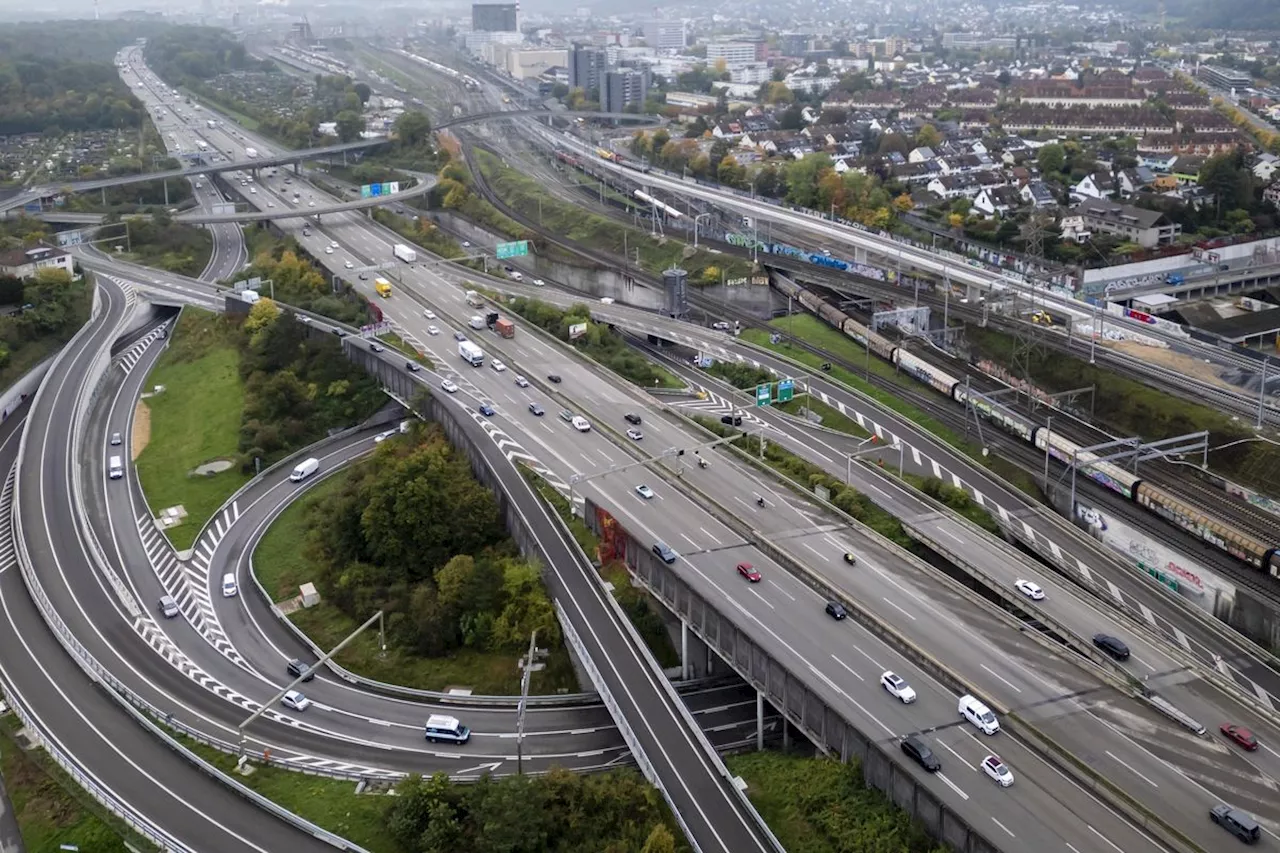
x,y
429,314
271,204
348,264
1029,589
432,330
295,700
997,770
311,204
634,434
898,687
328,250
497,365
581,424
383,436
539,283
644,491
333,244
450,386
521,382
253,190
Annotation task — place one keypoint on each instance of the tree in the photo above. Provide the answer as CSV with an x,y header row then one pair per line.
x,y
928,137
363,92
766,181
660,840
413,129
1051,159
1226,177
729,172
802,178
349,125
792,118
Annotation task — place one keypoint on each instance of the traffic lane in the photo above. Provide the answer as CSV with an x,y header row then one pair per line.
x,y
882,717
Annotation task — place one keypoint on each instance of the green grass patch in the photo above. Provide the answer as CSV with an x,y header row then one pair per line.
x,y
818,805
279,560
396,342
52,810
331,804
196,420
483,672
832,418
587,541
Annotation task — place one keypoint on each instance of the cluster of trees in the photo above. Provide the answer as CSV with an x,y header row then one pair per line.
x,y
556,813
600,342
39,94
160,242
296,282
412,145
78,40
187,55
297,385
50,304
416,535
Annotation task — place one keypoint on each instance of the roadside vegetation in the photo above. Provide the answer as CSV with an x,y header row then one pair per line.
x,y
1126,406
241,394
598,341
411,532
296,281
42,315
426,234
157,241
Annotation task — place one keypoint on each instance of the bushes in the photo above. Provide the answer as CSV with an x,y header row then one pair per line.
x,y
740,375
416,535
296,282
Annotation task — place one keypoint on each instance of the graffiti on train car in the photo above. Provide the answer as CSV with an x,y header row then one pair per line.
x,y
746,241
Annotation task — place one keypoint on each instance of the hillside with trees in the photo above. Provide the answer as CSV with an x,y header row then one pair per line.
x,y
44,95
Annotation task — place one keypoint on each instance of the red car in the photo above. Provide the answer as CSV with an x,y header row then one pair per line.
x,y
1240,735
748,572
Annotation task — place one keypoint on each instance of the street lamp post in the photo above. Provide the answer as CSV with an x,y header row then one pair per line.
x,y
529,664
696,220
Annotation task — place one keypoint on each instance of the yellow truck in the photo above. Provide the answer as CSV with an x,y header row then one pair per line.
x,y
382,286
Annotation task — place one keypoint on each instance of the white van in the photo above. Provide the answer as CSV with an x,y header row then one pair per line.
x,y
476,321
304,469
115,468
441,727
229,586
978,714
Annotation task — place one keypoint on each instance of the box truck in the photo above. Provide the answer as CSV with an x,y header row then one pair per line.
x,y
505,327
382,286
404,253
471,353
251,153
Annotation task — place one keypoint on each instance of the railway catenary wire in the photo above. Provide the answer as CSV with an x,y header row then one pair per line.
x,y
1260,554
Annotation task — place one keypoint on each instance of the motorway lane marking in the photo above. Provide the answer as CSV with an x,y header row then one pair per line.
x,y
690,541
820,555
1148,615
1005,828
762,598
1115,592
948,748
850,669
1181,638
899,609
953,786
943,530
874,663
1002,678
708,535
1125,764
1104,838
781,590
1262,695
1147,665
1084,570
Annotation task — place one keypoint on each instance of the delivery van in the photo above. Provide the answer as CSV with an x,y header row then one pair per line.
x,y
304,469
115,468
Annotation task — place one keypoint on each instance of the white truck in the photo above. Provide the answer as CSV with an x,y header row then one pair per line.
x,y
404,253
471,353
476,322
211,123
251,153
474,300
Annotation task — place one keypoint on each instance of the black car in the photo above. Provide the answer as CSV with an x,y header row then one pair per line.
x,y
921,754
1113,646
411,366
836,610
731,420
298,667
554,377
632,418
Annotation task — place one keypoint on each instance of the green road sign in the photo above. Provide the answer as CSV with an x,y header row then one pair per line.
x,y
786,390
517,249
764,394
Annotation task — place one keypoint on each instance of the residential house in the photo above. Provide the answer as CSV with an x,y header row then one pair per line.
x,y
920,155
1266,167
1130,181
954,186
1158,161
1037,194
1074,230
997,201
1147,228
23,263
1097,185
1272,194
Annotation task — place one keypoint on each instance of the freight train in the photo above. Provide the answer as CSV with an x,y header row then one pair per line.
x,y
1244,546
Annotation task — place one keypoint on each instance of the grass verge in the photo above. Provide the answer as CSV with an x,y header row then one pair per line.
x,y
52,810
832,418
196,420
279,561
818,805
396,342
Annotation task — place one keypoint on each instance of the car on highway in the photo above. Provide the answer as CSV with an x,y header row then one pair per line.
x,y
720,326
537,410
497,365
748,571
554,378
836,610
1242,736
644,491
997,770
664,552
919,752
731,420
537,282
459,337
634,434
1029,589
1113,646
348,265
428,313
1236,822
115,439
311,204
433,330
253,190
412,366
898,687
299,668
168,606
328,250
295,700
229,586
486,410
521,382
383,436
581,424
566,415
632,418
450,386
